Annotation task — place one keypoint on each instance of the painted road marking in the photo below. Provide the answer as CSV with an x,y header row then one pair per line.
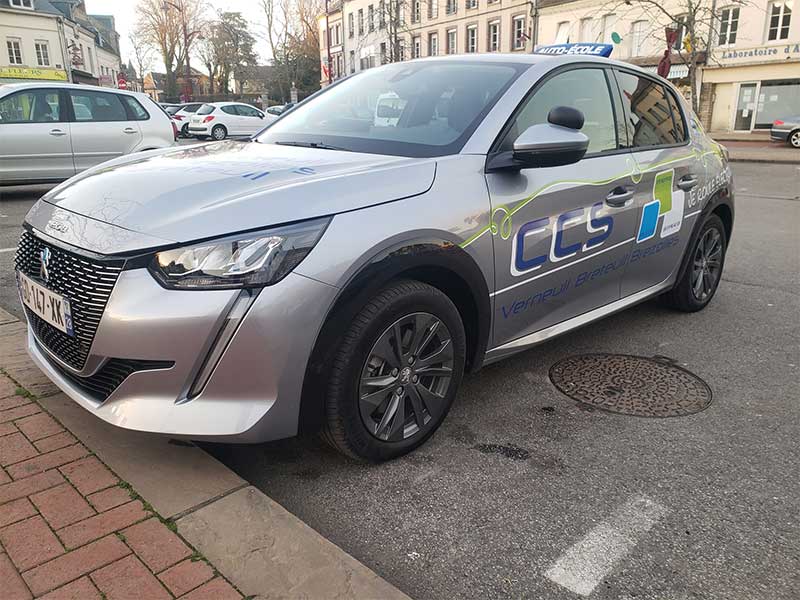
x,y
588,561
3,250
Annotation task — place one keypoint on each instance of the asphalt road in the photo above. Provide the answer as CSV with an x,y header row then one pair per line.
x,y
524,493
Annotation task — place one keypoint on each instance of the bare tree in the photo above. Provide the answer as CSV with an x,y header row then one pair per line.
x,y
696,23
161,29
142,55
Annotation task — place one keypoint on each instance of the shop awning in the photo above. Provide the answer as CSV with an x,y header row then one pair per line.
x,y
675,71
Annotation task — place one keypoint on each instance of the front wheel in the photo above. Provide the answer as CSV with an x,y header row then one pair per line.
x,y
395,373
794,139
699,283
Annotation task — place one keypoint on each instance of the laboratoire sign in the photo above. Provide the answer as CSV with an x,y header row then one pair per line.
x,y
759,54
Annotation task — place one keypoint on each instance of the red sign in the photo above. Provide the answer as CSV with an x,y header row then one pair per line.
x,y
121,83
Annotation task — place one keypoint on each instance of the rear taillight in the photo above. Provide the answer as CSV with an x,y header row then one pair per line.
x,y
178,117
208,119
174,130
777,122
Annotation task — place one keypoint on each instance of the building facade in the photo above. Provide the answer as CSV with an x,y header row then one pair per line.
x,y
54,40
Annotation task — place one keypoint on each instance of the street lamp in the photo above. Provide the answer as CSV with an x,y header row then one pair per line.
x,y
187,85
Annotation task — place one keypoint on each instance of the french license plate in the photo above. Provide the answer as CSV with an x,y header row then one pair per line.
x,y
52,307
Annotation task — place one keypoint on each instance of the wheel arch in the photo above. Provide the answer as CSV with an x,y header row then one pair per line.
x,y
437,262
720,204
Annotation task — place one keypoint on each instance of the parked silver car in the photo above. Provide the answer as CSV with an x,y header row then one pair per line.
x,y
340,273
786,130
51,131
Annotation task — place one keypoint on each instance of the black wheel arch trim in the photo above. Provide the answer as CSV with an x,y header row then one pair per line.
x,y
410,259
722,197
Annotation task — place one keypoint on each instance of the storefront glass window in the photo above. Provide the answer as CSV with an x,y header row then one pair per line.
x,y
777,100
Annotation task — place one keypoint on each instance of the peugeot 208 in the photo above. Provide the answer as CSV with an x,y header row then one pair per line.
x,y
342,270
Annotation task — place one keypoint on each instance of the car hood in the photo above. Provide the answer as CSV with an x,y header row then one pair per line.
x,y
198,192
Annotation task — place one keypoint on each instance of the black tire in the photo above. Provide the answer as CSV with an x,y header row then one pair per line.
x,y
185,131
684,296
219,133
409,302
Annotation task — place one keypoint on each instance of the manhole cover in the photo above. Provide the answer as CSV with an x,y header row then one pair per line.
x,y
631,385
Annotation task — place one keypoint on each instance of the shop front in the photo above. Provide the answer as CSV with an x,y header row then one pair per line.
x,y
751,87
24,74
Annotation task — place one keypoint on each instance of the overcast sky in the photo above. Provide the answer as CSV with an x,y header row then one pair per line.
x,y
124,12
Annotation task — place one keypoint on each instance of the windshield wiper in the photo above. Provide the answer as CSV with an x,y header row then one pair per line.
x,y
317,145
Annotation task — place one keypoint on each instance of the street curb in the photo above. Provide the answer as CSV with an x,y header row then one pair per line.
x,y
765,160
255,543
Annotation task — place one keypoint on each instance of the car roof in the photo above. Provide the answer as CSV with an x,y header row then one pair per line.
x,y
69,86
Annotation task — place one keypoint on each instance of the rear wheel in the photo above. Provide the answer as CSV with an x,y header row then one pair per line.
x,y
700,281
395,373
185,130
219,132
794,139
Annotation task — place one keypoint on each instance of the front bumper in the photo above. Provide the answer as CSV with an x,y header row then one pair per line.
x,y
253,394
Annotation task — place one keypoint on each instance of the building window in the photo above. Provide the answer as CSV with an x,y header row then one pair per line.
x,y
415,11
351,25
451,7
416,47
22,3
680,25
472,3
371,17
518,31
433,9
472,38
14,51
638,33
780,15
383,53
433,44
562,33
494,36
360,21
609,22
728,25
352,61
42,54
382,14
587,30
451,41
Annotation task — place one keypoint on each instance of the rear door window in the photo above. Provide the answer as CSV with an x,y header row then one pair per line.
x,y
34,106
206,109
97,106
231,110
649,115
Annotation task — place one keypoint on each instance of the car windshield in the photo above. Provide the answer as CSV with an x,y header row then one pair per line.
x,y
428,108
206,109
171,110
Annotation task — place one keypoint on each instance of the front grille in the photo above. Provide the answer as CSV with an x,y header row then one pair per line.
x,y
108,378
86,282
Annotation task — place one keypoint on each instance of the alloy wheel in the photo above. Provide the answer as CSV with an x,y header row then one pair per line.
x,y
794,139
707,264
218,133
406,377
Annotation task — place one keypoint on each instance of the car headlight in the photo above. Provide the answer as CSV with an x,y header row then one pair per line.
x,y
246,260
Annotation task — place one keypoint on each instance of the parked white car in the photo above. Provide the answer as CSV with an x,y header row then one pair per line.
x,y
52,131
218,120
182,115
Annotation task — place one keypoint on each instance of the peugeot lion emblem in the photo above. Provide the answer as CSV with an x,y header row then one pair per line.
x,y
44,257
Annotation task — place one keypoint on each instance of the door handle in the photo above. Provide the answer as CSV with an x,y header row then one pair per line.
x,y
129,130
619,196
57,132
687,182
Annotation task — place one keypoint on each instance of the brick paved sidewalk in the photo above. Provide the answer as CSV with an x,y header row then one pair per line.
x,y
70,529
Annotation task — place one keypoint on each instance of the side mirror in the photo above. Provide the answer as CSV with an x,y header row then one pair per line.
x,y
553,144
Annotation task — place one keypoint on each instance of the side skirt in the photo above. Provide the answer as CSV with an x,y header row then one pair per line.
x,y
533,339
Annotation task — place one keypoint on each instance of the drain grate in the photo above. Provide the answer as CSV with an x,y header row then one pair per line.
x,y
631,385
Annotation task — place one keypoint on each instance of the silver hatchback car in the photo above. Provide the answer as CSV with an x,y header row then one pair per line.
x,y
342,271
51,131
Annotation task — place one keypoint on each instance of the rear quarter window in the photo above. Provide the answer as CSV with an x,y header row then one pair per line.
x,y
137,111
